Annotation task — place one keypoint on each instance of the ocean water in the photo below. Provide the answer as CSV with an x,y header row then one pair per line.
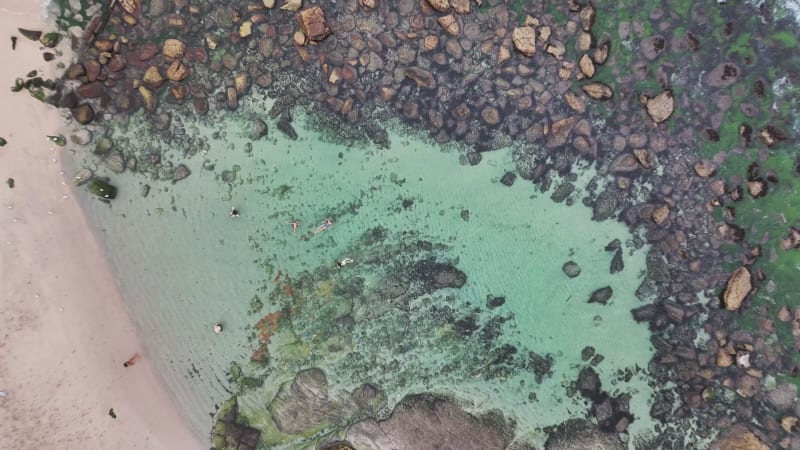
x,y
183,265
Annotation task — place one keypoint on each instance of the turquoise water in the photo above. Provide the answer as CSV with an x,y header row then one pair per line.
x,y
183,265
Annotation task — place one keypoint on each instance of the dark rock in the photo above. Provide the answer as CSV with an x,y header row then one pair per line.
x,y
69,100
644,313
423,78
431,422
588,383
541,366
304,405
605,206
75,71
258,129
83,113
93,89
508,178
30,34
369,398
285,126
180,173
474,158
617,265
230,433
438,276
465,215
723,75
587,353
601,295
613,246
493,302
571,269
563,191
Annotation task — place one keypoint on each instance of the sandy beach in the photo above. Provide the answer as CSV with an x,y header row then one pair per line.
x,y
65,328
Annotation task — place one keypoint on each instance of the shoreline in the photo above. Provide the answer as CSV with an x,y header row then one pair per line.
x,y
66,327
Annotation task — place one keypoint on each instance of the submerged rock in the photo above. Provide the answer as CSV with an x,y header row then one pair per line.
x,y
602,295
303,405
180,173
578,434
571,269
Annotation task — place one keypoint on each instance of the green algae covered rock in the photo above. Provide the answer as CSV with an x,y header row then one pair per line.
x,y
102,189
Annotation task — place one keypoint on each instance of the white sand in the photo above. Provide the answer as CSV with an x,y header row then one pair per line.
x,y
64,327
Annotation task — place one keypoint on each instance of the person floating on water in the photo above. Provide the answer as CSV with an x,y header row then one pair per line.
x,y
327,223
218,328
343,262
294,224
234,212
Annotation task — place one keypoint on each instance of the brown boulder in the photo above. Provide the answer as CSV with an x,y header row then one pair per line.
x,y
524,39
173,48
598,91
450,24
737,289
83,113
313,24
738,438
422,77
177,71
660,107
153,78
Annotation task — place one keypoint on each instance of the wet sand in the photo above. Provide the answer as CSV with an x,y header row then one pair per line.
x,y
65,328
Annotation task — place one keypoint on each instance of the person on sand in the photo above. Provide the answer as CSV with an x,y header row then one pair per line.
x,y
326,224
234,212
131,361
343,262
294,224
218,328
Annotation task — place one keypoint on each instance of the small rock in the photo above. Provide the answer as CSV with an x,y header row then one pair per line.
x,y
180,173
258,129
571,269
30,34
601,295
587,66
450,24
173,48
660,107
508,178
737,288
598,91
524,39
83,113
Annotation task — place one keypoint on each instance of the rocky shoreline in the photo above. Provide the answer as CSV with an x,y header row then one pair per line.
x,y
550,81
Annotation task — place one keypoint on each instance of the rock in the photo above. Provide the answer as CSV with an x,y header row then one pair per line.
x,y
102,189
723,75
130,6
153,78
587,15
369,398
494,302
436,275
556,49
783,396
491,115
508,178
524,39
285,126
474,158
578,434
587,66
180,173
231,98
173,48
660,214
148,98
435,421
598,91
94,89
83,113
93,69
571,269
643,157
422,77
653,46
304,404
737,289
115,162
292,5
74,71
450,24
613,246
439,5
30,34
757,188
460,6
660,107
601,295
563,191
177,71
617,264
369,4
705,168
576,103
313,24
601,53
771,135
258,129
82,176
738,438
625,163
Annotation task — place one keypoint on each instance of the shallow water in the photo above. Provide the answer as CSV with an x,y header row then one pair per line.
x,y
183,264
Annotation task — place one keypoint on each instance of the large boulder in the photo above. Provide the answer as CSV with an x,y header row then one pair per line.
x,y
738,438
313,24
304,405
430,422
578,434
